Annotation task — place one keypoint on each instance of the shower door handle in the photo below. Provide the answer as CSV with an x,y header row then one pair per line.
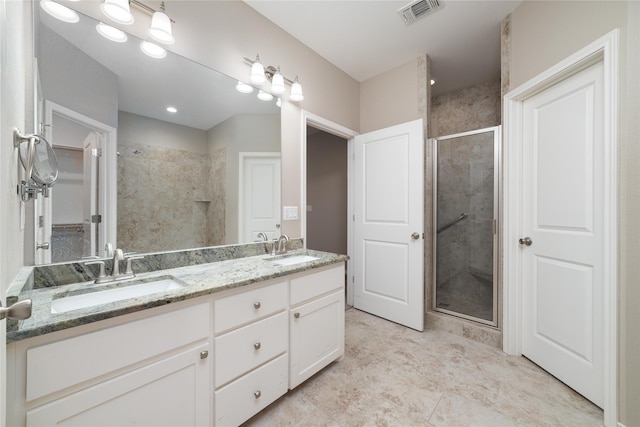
x,y
526,241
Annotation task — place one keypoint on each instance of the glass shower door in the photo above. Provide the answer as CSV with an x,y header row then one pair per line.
x,y
465,221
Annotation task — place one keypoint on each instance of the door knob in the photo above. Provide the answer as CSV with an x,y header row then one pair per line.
x,y
19,311
525,241
415,236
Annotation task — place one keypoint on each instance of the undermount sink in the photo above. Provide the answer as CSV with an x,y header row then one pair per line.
x,y
294,259
133,289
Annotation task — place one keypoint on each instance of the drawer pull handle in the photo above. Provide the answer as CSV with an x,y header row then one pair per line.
x,y
257,394
257,346
204,354
296,315
256,305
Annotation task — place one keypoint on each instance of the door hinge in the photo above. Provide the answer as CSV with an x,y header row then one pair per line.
x,y
97,152
96,219
41,221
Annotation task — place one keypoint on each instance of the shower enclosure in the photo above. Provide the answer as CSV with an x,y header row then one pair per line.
x,y
465,204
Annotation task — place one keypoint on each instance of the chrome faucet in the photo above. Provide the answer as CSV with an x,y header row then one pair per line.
x,y
264,236
115,275
282,244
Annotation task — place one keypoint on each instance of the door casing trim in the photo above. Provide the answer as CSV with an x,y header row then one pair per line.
x,y
310,119
605,50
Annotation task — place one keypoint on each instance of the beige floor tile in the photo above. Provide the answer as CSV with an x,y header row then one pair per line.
x,y
394,376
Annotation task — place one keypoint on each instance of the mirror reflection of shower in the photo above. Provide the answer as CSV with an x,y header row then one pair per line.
x,y
466,209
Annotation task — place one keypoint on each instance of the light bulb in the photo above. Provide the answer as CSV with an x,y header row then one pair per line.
x,y
59,11
277,83
296,91
117,10
160,29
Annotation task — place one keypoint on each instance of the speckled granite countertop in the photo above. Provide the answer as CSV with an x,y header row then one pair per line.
x,y
202,279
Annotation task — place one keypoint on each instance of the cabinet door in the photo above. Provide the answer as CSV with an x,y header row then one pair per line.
x,y
173,391
317,336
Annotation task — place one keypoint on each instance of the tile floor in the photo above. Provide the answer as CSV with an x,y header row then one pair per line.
x,y
394,376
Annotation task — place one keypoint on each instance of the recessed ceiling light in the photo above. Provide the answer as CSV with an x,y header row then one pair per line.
x,y
153,50
264,96
111,33
172,109
242,87
432,82
59,11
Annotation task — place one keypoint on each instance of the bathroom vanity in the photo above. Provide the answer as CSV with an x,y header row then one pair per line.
x,y
216,351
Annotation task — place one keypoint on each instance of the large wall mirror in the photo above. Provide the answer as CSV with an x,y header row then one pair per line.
x,y
206,175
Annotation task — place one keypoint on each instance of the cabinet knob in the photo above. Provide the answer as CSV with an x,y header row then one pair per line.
x,y
256,305
257,394
296,315
204,354
257,346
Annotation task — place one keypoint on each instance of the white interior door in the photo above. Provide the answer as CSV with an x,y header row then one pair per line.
x,y
260,196
388,255
563,205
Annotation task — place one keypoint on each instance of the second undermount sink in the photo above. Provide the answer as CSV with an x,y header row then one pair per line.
x,y
294,259
133,289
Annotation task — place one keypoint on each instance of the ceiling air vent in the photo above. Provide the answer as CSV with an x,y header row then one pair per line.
x,y
411,12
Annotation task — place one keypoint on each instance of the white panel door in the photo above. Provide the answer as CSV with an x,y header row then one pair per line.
x,y
388,256
562,269
260,197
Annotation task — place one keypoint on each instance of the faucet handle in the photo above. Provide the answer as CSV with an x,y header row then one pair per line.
x,y
129,269
102,274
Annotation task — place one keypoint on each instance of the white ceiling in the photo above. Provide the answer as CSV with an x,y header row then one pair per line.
x,y
368,37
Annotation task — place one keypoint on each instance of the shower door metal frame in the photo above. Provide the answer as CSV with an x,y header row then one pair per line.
x,y
497,157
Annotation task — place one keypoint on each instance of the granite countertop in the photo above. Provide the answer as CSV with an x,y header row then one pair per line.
x,y
202,279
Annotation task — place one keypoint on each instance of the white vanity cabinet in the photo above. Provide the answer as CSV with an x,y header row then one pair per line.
x,y
150,371
251,352
316,322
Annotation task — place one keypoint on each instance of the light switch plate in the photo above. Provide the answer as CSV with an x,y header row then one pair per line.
x,y
290,213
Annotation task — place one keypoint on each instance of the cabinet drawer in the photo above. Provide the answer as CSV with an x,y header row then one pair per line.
x,y
310,286
245,397
240,309
65,363
242,350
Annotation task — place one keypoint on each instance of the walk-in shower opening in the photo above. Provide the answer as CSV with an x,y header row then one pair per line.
x,y
465,214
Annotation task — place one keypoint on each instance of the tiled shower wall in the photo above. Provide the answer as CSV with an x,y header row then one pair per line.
x,y
471,108
164,198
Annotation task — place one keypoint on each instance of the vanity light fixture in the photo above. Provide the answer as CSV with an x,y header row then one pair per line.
x,y
277,83
260,74
242,87
160,29
59,11
257,71
111,33
118,11
153,50
264,96
296,91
